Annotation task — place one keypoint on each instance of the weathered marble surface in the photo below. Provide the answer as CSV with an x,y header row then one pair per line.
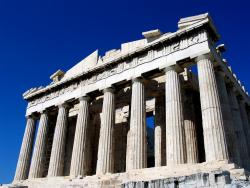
x,y
216,174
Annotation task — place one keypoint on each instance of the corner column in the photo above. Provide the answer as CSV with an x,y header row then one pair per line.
x,y
175,145
79,154
56,163
105,163
36,168
233,152
137,133
213,125
23,163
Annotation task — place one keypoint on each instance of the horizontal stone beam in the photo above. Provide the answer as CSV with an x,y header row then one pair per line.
x,y
130,70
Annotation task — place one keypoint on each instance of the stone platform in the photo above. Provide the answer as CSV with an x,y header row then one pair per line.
x,y
214,174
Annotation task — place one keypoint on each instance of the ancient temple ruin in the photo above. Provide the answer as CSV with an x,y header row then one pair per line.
x,y
91,120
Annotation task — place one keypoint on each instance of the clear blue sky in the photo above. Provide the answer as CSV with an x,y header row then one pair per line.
x,y
37,37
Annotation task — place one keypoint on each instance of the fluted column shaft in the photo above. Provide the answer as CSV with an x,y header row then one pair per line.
x,y
175,145
190,127
79,154
36,168
213,125
56,163
238,127
160,134
233,152
105,163
129,151
245,122
138,127
23,163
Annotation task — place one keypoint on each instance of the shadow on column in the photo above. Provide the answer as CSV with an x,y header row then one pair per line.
x,y
200,138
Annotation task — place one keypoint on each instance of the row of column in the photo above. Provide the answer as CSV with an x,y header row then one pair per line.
x,y
218,129
225,121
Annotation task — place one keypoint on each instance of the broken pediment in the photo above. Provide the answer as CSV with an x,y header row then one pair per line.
x,y
152,35
83,66
185,22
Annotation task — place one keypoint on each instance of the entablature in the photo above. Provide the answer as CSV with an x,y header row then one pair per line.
x,y
153,60
174,40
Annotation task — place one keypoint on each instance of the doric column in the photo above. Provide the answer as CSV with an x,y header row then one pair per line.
x,y
137,135
36,168
175,145
213,125
160,132
238,127
56,163
233,152
79,154
244,118
105,163
23,163
129,151
190,127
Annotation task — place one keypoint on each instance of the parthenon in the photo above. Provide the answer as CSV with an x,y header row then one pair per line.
x,y
91,119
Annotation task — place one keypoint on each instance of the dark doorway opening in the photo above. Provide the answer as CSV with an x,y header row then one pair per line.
x,y
150,123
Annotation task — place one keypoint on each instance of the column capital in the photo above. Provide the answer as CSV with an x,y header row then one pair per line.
x,y
203,57
44,111
138,79
109,89
31,116
219,71
84,98
62,105
177,68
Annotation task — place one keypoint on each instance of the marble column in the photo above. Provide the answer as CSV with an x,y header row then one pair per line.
x,y
160,132
233,152
23,163
190,127
238,127
175,140
105,162
56,163
128,152
212,120
137,135
245,123
79,154
36,168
